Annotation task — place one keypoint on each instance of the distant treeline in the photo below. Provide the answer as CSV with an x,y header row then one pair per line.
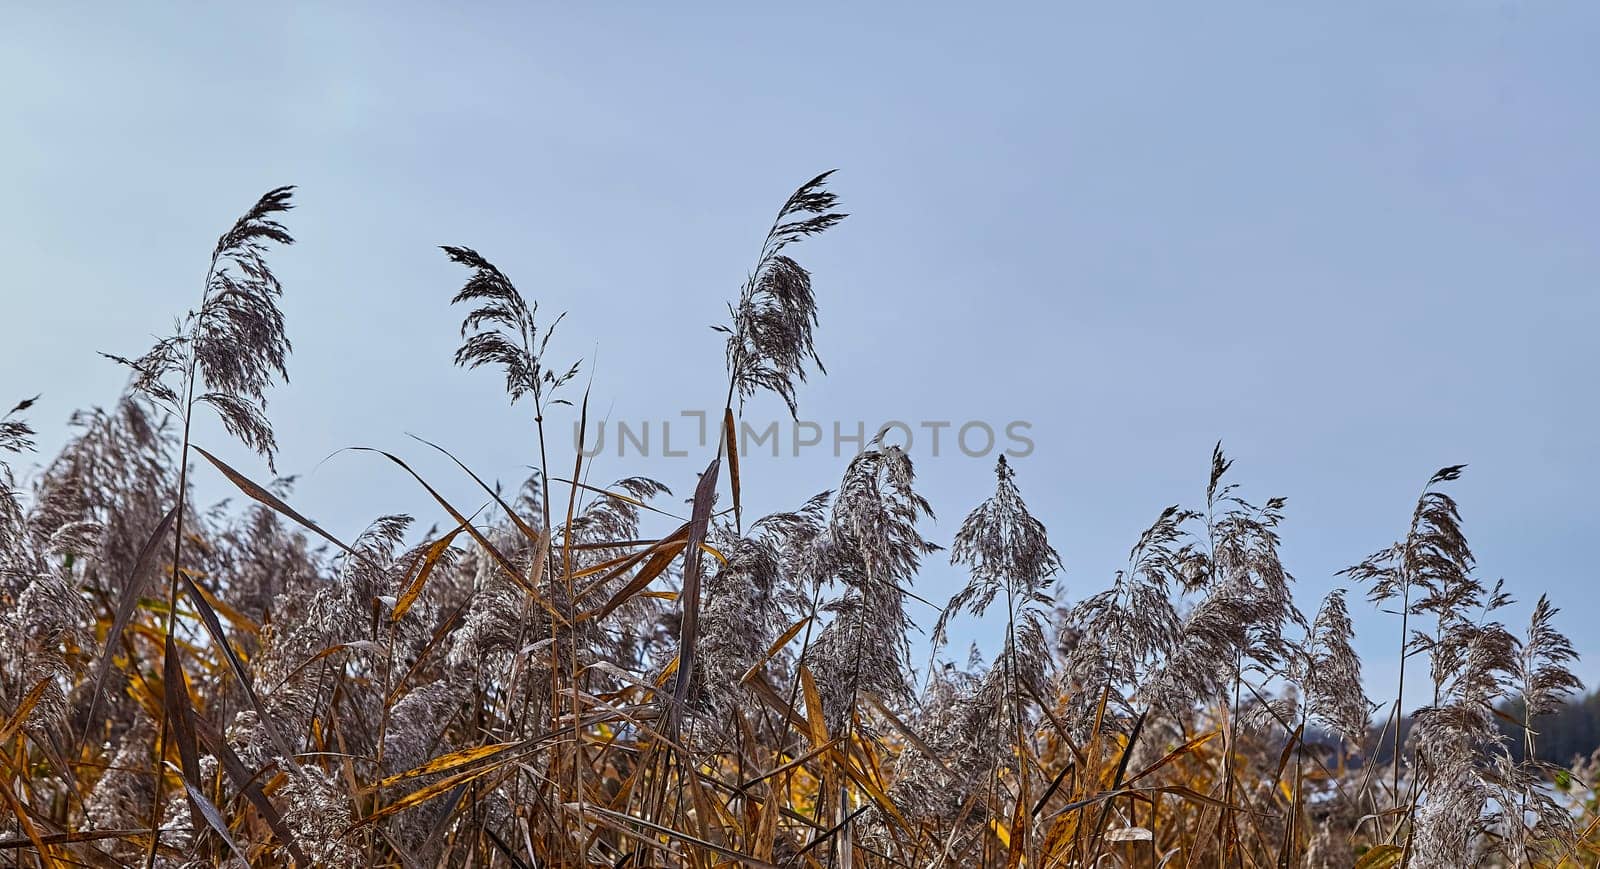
x,y
1570,732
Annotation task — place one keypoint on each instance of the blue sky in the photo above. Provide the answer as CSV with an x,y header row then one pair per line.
x,y
1355,242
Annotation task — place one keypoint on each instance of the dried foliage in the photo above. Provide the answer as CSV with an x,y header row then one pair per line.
x,y
594,680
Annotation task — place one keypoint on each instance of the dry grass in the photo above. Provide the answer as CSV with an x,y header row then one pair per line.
x,y
547,684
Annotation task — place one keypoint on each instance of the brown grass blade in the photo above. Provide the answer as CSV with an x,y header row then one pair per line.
x,y
213,626
769,695
442,822
619,496
260,494
526,529
797,762
180,718
72,838
874,792
689,601
1174,754
125,606
213,818
250,786
910,735
730,436
618,818
499,557
659,561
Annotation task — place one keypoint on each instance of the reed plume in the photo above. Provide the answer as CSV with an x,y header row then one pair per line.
x,y
770,328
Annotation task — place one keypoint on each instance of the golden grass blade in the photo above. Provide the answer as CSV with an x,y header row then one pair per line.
x,y
413,589
1288,750
765,835
817,725
20,714
46,856
783,639
424,794
541,557
1173,755
1019,842
447,762
1380,856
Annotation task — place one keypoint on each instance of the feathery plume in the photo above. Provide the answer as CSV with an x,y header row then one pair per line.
x,y
751,598
874,550
503,330
229,351
1118,635
769,338
1005,549
1329,671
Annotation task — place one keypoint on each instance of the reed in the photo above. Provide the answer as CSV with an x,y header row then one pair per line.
x,y
586,675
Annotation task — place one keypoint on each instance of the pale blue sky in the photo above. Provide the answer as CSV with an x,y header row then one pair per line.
x,y
1356,242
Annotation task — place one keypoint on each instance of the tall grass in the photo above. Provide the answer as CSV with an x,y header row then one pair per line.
x,y
581,676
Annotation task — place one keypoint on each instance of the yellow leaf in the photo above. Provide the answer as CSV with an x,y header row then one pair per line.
x,y
429,559
446,762
780,642
14,723
814,718
666,672
422,795
1380,857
